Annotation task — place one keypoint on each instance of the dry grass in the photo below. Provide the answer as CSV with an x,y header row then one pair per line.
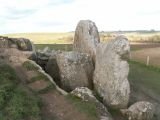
x,y
67,38
133,36
45,38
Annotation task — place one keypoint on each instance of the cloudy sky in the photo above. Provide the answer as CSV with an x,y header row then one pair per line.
x,y
17,16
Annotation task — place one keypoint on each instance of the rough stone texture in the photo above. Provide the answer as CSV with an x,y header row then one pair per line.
x,y
52,68
140,111
43,56
86,95
11,48
49,77
86,38
22,44
140,92
75,70
111,72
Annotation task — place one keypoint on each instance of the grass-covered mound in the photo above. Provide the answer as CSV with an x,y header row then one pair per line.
x,y
15,101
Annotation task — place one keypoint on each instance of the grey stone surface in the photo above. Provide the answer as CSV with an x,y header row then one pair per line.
x,y
75,70
142,110
86,38
111,73
86,95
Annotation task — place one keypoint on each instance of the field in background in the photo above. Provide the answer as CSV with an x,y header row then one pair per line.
x,y
63,41
150,56
67,38
133,36
45,38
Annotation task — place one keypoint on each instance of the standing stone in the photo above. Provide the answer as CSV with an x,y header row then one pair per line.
x,y
75,70
86,38
111,72
142,110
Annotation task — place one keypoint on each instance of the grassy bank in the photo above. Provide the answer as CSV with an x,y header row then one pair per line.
x,y
147,76
15,102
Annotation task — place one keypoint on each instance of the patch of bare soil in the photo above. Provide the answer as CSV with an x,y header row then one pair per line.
x,y
38,85
57,105
141,56
31,74
20,71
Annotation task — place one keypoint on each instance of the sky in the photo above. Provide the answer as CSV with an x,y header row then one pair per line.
x,y
20,16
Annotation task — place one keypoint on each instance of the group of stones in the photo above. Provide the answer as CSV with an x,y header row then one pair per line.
x,y
91,66
101,67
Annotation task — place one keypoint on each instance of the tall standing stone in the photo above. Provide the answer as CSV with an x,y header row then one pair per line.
x,y
86,38
111,72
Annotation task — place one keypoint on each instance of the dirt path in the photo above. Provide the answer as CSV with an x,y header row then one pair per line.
x,y
55,105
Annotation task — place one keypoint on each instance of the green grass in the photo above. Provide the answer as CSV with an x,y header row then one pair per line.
x,y
8,81
29,66
15,102
22,106
83,106
148,76
66,47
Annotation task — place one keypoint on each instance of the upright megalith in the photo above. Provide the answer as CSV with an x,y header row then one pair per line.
x,y
111,72
75,70
86,38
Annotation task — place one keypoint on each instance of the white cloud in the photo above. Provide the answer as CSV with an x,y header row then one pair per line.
x,y
63,15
